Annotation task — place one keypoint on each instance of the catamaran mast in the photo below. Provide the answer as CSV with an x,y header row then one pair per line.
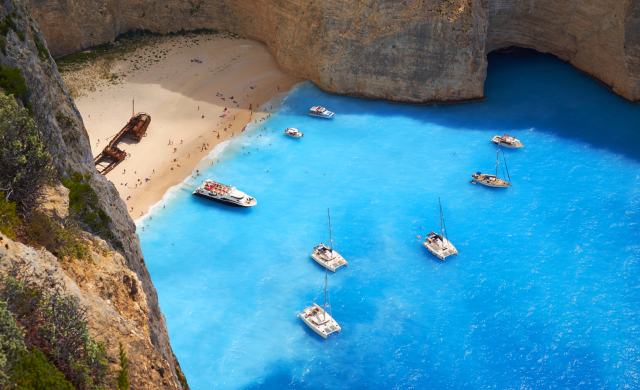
x,y
497,160
326,272
441,226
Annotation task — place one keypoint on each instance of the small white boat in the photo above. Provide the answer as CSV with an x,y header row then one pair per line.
x,y
493,180
291,132
319,320
507,141
326,256
438,244
321,112
224,194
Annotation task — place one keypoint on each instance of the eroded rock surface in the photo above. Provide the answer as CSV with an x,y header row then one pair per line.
x,y
24,48
116,305
414,50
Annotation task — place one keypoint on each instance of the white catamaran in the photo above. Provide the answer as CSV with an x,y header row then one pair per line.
x,y
493,180
439,244
317,318
327,256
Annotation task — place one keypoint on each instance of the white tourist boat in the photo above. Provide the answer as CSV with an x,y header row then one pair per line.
x,y
439,244
321,112
328,257
295,133
492,180
507,141
317,318
224,194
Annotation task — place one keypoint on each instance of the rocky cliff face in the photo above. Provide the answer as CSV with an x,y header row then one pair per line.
x,y
414,50
56,115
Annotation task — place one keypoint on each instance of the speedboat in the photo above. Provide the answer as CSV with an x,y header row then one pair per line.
x,y
321,112
319,320
507,141
224,194
489,180
328,258
291,132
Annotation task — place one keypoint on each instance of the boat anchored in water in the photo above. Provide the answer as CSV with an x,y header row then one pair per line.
x,y
295,133
224,194
321,112
507,141
327,256
493,180
317,318
439,244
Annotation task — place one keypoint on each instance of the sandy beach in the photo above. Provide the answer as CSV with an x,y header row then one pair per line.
x,y
185,83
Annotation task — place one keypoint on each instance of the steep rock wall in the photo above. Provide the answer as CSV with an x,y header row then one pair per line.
x,y
25,49
413,50
599,37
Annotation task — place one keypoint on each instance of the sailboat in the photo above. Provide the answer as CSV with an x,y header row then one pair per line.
x,y
328,257
317,318
492,180
439,244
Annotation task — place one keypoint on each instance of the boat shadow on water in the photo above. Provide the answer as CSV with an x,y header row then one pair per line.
x,y
217,205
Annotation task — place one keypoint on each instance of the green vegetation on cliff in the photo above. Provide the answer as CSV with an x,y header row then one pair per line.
x,y
9,220
123,375
63,243
25,165
34,372
83,205
54,322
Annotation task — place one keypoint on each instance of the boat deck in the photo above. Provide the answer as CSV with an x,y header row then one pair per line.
x,y
322,323
334,263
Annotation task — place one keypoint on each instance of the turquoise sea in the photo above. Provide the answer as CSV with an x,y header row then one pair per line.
x,y
544,294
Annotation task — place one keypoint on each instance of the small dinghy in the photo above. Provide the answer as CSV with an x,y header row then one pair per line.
x,y
291,132
493,180
327,256
438,244
321,112
507,141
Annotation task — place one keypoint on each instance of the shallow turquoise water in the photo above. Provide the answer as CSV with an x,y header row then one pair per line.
x,y
544,293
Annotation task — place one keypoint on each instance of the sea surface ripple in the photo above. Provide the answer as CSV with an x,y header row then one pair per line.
x,y
544,293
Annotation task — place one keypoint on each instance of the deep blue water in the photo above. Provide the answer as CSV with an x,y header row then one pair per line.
x,y
544,294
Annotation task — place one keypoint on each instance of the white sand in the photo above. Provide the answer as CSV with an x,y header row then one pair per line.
x,y
171,90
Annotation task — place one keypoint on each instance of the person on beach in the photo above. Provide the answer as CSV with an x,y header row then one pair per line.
x,y
175,150
124,171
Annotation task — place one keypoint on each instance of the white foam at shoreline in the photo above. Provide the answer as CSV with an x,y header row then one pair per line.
x,y
276,100
173,191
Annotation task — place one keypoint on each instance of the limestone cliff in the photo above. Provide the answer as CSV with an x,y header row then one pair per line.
x,y
412,50
56,115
